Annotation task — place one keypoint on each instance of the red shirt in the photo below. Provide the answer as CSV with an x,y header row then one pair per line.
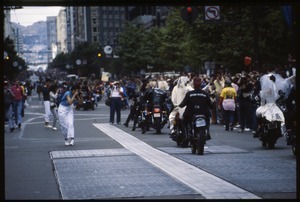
x,y
18,91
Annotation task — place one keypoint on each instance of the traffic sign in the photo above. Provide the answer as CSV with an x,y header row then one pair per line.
x,y
212,12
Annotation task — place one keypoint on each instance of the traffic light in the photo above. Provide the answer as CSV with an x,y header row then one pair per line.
x,y
189,13
99,55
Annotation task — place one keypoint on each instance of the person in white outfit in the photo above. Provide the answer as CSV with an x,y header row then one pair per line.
x,y
46,98
177,96
66,114
53,108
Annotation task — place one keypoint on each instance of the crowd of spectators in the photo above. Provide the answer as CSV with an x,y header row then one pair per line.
x,y
246,85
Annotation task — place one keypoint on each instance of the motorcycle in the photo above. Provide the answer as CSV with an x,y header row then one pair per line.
x,y
159,118
88,100
269,132
155,118
270,115
179,136
196,131
193,134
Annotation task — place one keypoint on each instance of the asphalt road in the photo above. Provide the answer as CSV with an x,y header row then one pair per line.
x,y
39,166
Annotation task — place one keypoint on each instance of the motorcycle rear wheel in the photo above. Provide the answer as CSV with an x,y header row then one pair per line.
x,y
200,141
272,138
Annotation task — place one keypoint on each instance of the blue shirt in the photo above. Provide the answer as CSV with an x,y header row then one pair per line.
x,y
64,100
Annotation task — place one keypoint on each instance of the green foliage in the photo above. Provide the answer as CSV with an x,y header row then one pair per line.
x,y
258,32
255,31
9,69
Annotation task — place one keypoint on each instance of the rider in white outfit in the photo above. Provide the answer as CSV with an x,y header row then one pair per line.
x,y
183,86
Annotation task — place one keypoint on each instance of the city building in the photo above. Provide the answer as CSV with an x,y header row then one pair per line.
x,y
51,24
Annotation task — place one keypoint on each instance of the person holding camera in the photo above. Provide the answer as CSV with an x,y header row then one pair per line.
x,y
66,114
116,96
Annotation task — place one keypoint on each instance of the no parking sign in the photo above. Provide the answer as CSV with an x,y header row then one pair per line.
x,y
212,12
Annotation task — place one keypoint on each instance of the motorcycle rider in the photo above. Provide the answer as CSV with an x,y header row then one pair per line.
x,y
270,86
197,101
135,106
155,95
177,95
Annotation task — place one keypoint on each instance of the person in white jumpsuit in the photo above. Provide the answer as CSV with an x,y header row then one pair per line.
x,y
66,114
183,86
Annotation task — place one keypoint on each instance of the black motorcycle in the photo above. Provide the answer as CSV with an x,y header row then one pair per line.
x,y
179,136
152,117
159,118
269,131
154,113
88,100
197,133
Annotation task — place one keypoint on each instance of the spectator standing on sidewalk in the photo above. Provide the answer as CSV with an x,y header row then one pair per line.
x,y
227,103
53,93
8,103
219,84
46,98
66,114
18,102
116,95
245,106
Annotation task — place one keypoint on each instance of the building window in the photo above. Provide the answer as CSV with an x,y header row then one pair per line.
x,y
94,29
95,38
94,20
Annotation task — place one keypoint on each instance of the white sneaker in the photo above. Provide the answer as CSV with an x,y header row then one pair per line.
x,y
247,129
54,128
72,142
67,143
48,126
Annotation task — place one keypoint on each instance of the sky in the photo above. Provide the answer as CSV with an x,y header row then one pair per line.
x,y
31,14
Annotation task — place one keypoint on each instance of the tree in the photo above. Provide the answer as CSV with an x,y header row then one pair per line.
x,y
12,62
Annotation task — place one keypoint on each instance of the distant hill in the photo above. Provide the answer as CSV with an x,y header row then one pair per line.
x,y
37,30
